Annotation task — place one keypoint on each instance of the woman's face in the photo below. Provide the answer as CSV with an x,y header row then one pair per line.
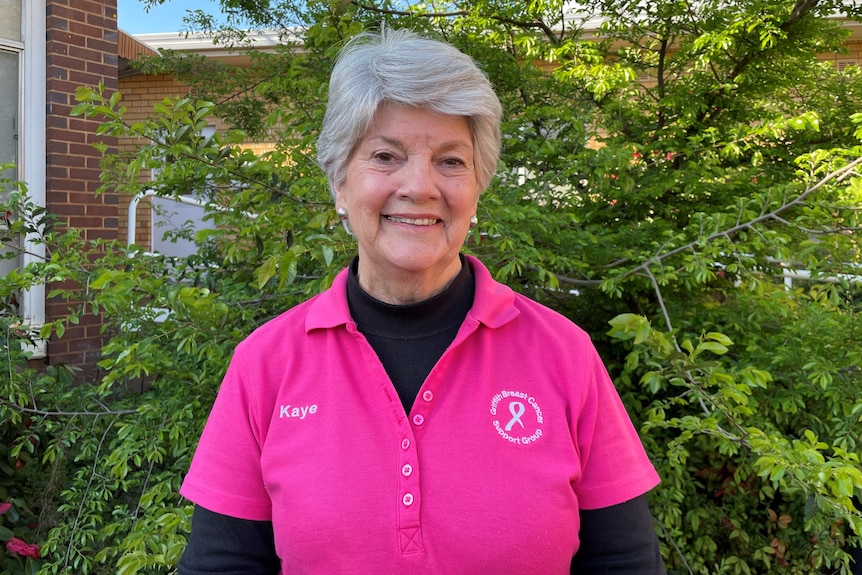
x,y
410,191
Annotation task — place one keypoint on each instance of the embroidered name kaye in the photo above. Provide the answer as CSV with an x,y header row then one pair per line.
x,y
296,412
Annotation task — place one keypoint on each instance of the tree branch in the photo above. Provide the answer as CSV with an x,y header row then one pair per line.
x,y
664,311
837,175
46,413
85,494
823,232
800,10
546,30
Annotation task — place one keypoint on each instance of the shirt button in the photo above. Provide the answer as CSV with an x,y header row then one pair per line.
x,y
405,443
428,395
407,499
407,470
418,419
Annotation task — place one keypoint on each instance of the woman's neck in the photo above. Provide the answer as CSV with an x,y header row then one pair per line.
x,y
407,287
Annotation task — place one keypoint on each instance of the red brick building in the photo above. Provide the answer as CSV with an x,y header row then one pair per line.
x,y
49,48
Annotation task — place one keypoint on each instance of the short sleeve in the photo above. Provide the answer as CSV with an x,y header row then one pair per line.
x,y
225,474
614,465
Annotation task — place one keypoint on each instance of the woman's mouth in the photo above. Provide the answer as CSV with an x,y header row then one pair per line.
x,y
413,221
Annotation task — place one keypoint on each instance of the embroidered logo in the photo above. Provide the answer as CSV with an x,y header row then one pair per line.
x,y
518,417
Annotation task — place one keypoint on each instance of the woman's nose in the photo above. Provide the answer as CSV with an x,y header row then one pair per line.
x,y
418,181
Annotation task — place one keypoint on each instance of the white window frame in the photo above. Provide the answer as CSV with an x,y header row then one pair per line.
x,y
32,142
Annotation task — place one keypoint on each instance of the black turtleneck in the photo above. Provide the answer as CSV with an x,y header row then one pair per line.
x,y
409,339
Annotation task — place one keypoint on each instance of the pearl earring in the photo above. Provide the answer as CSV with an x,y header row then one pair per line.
x,y
474,221
345,221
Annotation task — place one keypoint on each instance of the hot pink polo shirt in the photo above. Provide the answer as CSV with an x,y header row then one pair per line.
x,y
516,428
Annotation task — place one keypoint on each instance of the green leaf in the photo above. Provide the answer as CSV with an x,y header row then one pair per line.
x,y
5,533
712,346
720,338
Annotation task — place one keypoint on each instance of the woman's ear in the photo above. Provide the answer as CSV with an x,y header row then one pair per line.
x,y
338,195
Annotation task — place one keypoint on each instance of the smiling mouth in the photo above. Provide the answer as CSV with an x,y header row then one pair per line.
x,y
412,221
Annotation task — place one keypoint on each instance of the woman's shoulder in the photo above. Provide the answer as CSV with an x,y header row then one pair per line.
x,y
499,304
327,308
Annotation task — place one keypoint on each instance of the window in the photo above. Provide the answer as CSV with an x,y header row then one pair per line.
x,y
843,63
22,127
10,24
10,32
8,140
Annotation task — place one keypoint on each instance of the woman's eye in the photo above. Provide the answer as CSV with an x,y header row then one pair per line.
x,y
453,162
384,156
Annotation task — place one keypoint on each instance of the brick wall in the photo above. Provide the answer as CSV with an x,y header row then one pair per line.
x,y
81,51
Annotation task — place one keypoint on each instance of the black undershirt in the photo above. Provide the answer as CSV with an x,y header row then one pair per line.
x,y
408,340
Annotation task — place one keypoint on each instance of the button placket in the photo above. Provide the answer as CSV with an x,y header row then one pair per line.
x,y
408,475
410,532
409,485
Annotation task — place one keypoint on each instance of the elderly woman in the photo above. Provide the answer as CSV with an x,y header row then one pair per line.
x,y
417,417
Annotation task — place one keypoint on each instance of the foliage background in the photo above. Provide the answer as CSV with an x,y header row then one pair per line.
x,y
660,216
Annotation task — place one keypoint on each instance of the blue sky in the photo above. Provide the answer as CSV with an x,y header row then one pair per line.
x,y
167,17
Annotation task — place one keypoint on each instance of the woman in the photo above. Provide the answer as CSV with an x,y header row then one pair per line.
x,y
417,417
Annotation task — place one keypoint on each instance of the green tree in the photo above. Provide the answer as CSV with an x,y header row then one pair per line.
x,y
660,175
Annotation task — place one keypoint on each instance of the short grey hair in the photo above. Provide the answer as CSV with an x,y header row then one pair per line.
x,y
401,67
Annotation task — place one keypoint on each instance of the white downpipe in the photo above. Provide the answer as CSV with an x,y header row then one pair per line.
x,y
133,215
